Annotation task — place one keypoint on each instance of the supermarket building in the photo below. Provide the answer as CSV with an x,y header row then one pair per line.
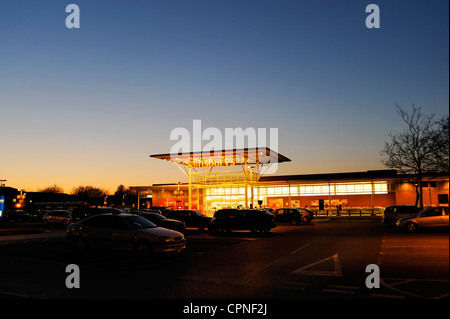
x,y
235,178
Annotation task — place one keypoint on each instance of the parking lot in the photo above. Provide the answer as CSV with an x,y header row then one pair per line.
x,y
413,263
325,259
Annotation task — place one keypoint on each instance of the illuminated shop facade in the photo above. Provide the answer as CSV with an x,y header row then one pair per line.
x,y
237,179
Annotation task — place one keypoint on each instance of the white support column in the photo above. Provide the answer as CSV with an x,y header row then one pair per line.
x,y
190,190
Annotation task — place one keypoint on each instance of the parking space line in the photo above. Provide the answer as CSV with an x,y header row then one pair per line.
x,y
13,294
299,249
403,281
282,257
334,271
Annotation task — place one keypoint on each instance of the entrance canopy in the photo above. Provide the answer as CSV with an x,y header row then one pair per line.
x,y
224,158
247,158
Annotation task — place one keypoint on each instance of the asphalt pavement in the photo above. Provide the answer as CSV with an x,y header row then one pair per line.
x,y
326,259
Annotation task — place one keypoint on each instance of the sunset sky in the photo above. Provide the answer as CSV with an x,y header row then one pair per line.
x,y
88,106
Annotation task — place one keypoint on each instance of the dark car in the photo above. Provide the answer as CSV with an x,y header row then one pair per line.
x,y
161,209
294,216
393,213
243,219
83,212
191,218
17,215
37,215
161,221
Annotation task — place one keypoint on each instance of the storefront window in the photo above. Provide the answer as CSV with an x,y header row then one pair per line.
x,y
222,197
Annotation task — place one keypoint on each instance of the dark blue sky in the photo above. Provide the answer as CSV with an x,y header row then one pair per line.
x,y
88,105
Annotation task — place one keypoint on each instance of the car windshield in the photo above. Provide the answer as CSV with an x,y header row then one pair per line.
x,y
432,211
198,214
156,216
138,222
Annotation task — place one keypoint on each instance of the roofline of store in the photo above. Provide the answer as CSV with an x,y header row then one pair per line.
x,y
367,175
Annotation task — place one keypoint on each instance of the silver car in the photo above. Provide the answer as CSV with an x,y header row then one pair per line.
x,y
433,217
393,213
57,217
123,232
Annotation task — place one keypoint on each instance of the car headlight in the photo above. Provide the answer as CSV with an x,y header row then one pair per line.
x,y
165,239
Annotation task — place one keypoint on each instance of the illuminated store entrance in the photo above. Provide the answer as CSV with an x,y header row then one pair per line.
x,y
225,178
238,178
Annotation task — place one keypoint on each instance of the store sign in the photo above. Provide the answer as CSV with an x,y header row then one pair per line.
x,y
2,205
210,163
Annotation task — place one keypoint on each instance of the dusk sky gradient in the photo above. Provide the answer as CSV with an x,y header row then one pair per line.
x,y
88,106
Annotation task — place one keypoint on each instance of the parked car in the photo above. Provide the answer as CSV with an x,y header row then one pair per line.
x,y
393,213
162,209
123,232
191,218
161,221
37,215
57,216
433,217
243,219
294,216
83,212
17,215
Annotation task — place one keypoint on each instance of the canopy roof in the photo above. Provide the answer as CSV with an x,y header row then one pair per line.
x,y
262,155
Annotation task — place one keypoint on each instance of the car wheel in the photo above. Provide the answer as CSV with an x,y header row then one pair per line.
x,y
305,219
143,248
411,227
201,227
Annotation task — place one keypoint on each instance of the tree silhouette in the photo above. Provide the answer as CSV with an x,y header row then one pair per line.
x,y
413,152
90,194
52,189
441,160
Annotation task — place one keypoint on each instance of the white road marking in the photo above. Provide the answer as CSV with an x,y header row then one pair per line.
x,y
299,249
306,270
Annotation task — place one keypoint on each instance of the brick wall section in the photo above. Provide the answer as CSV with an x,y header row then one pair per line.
x,y
405,193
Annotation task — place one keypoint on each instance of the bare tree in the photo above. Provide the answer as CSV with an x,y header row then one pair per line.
x,y
52,189
91,194
412,151
441,146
